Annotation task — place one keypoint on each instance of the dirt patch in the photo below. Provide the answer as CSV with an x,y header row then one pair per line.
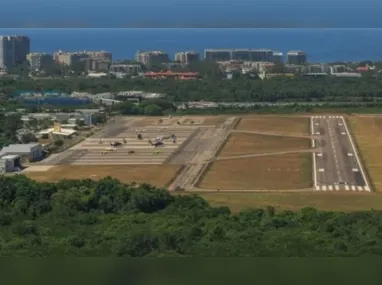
x,y
279,125
334,201
244,143
275,172
158,175
368,134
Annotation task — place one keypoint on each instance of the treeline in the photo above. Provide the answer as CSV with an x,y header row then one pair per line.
x,y
108,218
301,89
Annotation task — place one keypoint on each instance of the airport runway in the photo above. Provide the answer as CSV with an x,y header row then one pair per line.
x,y
336,164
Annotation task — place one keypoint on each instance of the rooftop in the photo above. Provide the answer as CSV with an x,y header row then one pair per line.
x,y
19,148
10,156
64,132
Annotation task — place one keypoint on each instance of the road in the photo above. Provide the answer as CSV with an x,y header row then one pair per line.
x,y
336,164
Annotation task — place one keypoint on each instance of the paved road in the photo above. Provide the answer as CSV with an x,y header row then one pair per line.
x,y
336,163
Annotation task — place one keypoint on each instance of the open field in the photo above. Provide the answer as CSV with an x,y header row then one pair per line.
x,y
334,201
276,172
244,143
367,131
279,124
158,175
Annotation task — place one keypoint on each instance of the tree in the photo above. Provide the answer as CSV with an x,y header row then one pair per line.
x,y
28,138
153,110
59,143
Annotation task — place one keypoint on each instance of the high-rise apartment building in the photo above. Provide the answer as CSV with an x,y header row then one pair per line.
x,y
187,57
218,54
238,54
152,57
264,55
277,56
296,57
13,50
38,61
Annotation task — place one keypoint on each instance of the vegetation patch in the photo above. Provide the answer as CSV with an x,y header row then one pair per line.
x,y
295,201
244,143
159,175
280,124
367,131
274,172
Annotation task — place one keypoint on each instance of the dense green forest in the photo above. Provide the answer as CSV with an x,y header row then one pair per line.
x,y
107,218
301,89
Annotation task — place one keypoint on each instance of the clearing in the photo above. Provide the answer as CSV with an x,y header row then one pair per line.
x,y
158,175
368,134
274,172
244,143
279,125
334,201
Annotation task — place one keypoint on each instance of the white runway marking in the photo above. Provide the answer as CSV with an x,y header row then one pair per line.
x,y
366,189
317,188
321,170
343,133
353,188
316,124
319,154
337,187
317,133
350,154
324,188
355,170
330,188
360,188
347,188
355,153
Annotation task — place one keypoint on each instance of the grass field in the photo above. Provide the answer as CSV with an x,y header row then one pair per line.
x,y
368,134
275,172
158,175
336,201
280,125
244,143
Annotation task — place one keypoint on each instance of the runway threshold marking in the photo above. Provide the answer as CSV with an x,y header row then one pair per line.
x,y
360,188
324,188
347,188
330,188
353,188
337,187
321,170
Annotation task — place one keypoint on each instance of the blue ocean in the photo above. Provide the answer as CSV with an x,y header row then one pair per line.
x,y
321,45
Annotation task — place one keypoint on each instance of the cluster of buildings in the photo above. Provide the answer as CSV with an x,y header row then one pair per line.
x,y
255,55
16,49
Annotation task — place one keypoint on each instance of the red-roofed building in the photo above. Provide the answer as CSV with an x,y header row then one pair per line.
x,y
170,74
362,69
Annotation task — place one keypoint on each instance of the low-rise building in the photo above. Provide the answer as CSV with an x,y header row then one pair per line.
x,y
128,69
38,61
10,163
31,151
152,57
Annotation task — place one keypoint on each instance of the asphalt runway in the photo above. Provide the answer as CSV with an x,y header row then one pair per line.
x,y
336,164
